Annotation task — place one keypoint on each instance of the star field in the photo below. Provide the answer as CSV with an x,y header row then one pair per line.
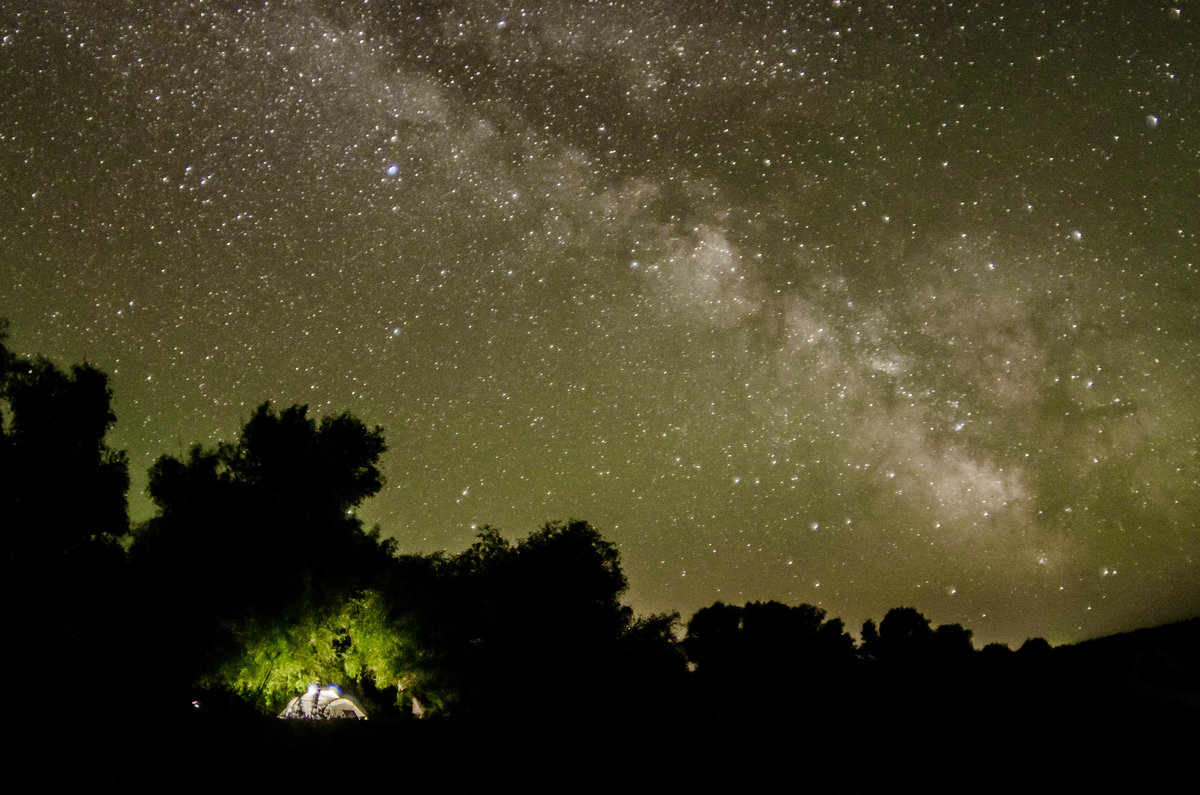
x,y
854,304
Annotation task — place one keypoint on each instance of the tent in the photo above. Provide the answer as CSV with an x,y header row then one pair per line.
x,y
324,703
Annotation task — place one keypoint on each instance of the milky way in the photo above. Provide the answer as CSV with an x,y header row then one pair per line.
x,y
860,305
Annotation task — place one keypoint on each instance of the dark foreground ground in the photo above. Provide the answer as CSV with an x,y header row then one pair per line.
x,y
1122,714
1101,749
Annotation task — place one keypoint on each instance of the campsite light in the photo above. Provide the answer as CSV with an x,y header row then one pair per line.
x,y
323,703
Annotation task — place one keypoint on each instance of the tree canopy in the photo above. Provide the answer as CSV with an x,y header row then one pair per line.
x,y
62,511
255,577
63,485
257,537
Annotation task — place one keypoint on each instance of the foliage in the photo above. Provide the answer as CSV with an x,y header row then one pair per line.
x,y
63,485
307,471
63,513
256,540
535,623
255,577
766,639
652,666
906,638
754,658
355,643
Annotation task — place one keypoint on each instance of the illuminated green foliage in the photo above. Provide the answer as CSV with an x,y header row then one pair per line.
x,y
353,644
255,564
260,580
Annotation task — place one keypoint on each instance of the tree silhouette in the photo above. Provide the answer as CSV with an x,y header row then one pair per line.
x,y
256,538
535,623
652,668
868,645
63,513
903,634
952,643
63,486
906,639
767,656
308,472
1035,649
712,642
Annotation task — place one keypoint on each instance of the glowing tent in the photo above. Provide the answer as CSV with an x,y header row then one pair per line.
x,y
324,703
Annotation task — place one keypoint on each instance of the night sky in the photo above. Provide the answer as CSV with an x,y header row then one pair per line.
x,y
854,304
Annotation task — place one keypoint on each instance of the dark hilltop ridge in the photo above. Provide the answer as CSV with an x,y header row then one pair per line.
x,y
1157,668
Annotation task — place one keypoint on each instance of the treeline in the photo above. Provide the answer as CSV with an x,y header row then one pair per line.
x,y
255,577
